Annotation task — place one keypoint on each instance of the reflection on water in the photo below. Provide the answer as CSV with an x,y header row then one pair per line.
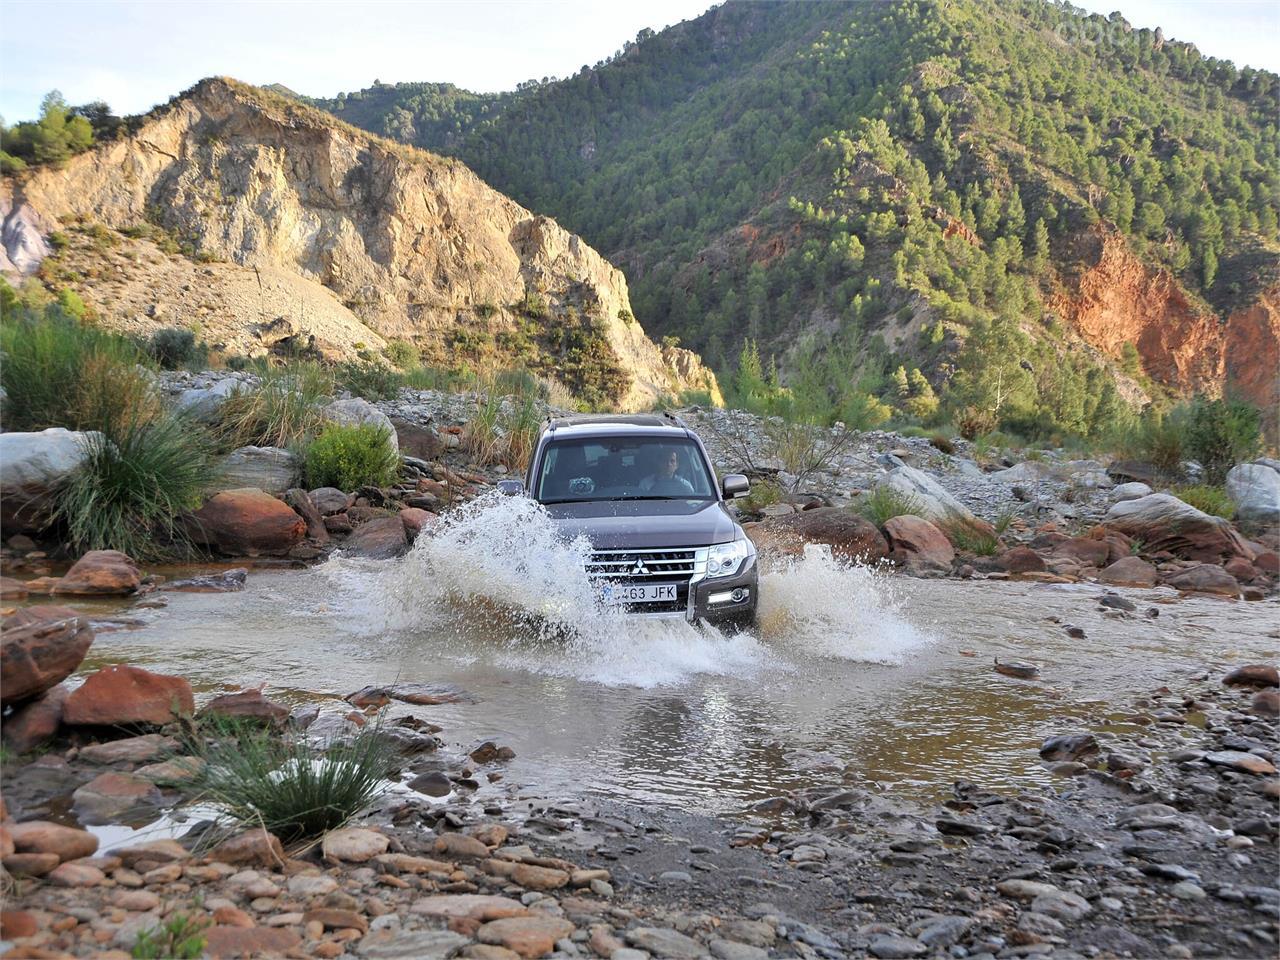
x,y
850,669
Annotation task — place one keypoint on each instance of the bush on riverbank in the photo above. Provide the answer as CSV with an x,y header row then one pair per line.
x,y
1207,498
295,790
349,457
136,480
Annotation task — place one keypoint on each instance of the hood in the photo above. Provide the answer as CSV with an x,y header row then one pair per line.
x,y
645,524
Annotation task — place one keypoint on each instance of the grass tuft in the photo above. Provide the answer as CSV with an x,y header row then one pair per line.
x,y
283,410
885,502
180,937
1207,498
968,537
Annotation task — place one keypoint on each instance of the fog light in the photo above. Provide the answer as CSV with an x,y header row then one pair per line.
x,y
740,594
724,597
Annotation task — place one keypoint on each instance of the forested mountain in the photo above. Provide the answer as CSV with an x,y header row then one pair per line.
x,y
1013,197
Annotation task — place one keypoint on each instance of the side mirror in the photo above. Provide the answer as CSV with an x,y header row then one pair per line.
x,y
510,488
734,485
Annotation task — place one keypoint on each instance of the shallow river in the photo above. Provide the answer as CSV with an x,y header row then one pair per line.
x,y
887,676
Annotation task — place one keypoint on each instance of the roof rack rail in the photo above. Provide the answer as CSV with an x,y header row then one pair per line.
x,y
668,415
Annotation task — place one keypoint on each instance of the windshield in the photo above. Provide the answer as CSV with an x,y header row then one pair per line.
x,y
649,468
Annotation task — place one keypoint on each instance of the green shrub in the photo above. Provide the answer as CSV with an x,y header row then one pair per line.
x,y
968,537
403,354
133,485
694,398
294,789
373,381
283,410
763,493
885,502
1159,439
1222,433
942,443
174,347
1210,499
348,457
181,937
57,372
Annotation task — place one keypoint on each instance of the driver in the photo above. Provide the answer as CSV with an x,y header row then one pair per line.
x,y
665,477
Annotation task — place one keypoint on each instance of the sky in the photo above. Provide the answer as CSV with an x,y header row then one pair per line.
x,y
137,53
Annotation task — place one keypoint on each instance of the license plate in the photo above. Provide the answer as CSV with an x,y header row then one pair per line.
x,y
637,592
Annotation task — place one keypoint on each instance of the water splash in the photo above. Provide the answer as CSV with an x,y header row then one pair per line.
x,y
496,581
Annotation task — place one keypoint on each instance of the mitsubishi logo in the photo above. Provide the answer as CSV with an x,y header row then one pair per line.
x,y
639,569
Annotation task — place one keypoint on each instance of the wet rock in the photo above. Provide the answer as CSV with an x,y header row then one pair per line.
x,y
461,845
101,573
247,522
490,752
129,750
33,468
416,520
1164,523
175,771
251,848
665,943
420,694
228,581
1255,490
1238,760
353,844
40,646
11,589
382,538
114,796
128,695
1205,578
303,506
247,705
528,936
270,469
432,784
1266,703
35,722
42,836
1021,560
1129,572
849,536
1254,675
1113,601
915,542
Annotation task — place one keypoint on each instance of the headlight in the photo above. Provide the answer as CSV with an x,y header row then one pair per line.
x,y
724,559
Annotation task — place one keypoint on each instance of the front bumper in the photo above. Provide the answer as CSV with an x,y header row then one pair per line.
x,y
714,600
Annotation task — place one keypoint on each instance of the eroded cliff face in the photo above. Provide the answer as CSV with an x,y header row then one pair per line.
x,y
264,193
1114,299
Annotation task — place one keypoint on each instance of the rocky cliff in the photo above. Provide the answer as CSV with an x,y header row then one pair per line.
x,y
1112,298
261,221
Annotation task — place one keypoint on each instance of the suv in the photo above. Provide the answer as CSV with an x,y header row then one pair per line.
x,y
642,491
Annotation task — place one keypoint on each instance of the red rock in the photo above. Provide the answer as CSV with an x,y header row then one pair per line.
x,y
248,705
126,695
1205,578
333,918
76,875
539,878
156,851
233,917
112,795
460,845
1266,703
1094,553
1129,572
43,836
415,519
35,722
914,541
226,942
11,589
16,924
379,539
247,522
40,646
1164,523
101,573
129,750
851,537
1268,561
1021,560
1254,675
7,849
1241,569
528,936
256,847
304,507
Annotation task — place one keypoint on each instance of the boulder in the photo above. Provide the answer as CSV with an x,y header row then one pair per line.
x,y
36,722
43,836
356,411
1254,675
1164,523
1132,490
203,403
1027,471
935,502
247,522
416,440
915,542
331,500
1085,550
271,469
33,467
378,539
247,705
112,796
255,847
1129,572
1205,578
302,505
1021,560
850,536
128,695
101,573
1255,490
1130,471
414,520
40,646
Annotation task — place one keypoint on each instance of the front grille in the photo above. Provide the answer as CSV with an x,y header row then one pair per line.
x,y
644,565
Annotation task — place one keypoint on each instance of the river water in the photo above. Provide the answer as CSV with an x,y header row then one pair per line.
x,y
854,673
